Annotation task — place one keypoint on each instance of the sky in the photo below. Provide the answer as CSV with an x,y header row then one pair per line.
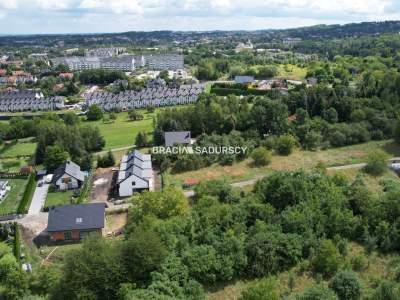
x,y
94,16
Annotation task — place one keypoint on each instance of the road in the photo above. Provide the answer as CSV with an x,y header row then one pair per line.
x,y
115,149
38,199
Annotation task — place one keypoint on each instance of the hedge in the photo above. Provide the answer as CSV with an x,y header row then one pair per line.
x,y
237,92
27,196
17,243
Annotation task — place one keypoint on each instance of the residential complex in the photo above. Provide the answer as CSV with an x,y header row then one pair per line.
x,y
28,100
125,63
104,52
157,97
135,174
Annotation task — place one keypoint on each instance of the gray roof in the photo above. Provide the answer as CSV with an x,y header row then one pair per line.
x,y
135,163
244,79
70,168
176,137
82,216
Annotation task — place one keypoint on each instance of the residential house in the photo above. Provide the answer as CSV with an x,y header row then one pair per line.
x,y
75,222
177,138
135,174
244,79
68,176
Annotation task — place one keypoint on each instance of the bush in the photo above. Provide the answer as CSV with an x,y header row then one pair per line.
x,y
386,291
376,163
285,144
106,161
358,263
346,285
94,113
318,292
327,259
262,290
261,156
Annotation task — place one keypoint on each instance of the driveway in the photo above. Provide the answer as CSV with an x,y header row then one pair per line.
x,y
38,199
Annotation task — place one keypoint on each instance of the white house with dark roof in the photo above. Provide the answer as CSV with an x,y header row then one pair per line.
x,y
135,174
68,176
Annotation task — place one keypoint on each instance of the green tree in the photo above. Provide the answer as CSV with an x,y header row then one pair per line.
x,y
141,139
346,285
376,163
261,156
387,290
54,157
284,144
327,259
94,113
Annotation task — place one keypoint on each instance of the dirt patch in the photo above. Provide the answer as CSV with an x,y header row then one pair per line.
x,y
115,222
102,181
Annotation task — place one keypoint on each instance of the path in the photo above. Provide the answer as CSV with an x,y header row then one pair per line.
x,y
38,199
115,149
346,167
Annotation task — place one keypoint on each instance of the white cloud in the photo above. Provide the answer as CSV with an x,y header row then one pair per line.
x,y
187,14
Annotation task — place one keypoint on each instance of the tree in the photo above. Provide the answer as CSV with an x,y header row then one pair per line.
x,y
331,115
284,144
261,156
133,115
94,113
13,281
142,254
346,285
318,292
264,289
54,157
270,116
376,163
327,259
387,290
141,139
106,161
312,140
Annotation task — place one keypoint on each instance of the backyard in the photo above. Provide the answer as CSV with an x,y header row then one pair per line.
x,y
12,200
58,198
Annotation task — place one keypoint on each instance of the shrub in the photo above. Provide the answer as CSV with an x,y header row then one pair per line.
x,y
346,285
261,156
376,163
387,290
262,290
94,113
318,292
358,263
327,259
285,144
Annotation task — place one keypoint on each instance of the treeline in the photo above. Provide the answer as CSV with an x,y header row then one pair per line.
x,y
100,76
319,117
57,138
289,219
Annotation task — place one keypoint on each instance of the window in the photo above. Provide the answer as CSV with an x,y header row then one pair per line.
x,y
66,180
78,220
133,183
67,235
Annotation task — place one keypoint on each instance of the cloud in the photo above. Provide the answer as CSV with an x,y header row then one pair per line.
x,y
54,15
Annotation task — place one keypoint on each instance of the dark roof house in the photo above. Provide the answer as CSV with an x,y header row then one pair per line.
x,y
70,168
75,222
244,79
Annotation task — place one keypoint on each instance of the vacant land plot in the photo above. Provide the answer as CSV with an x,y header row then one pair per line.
x,y
58,198
298,159
292,72
10,204
17,150
122,132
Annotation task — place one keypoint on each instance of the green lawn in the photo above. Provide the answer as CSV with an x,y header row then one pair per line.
x,y
19,149
10,204
58,198
17,164
292,72
122,132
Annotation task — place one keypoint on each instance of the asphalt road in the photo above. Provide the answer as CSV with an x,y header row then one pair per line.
x,y
38,199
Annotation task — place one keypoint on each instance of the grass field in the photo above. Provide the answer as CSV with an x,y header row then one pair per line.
x,y
292,72
19,149
298,159
18,163
10,204
122,132
58,198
